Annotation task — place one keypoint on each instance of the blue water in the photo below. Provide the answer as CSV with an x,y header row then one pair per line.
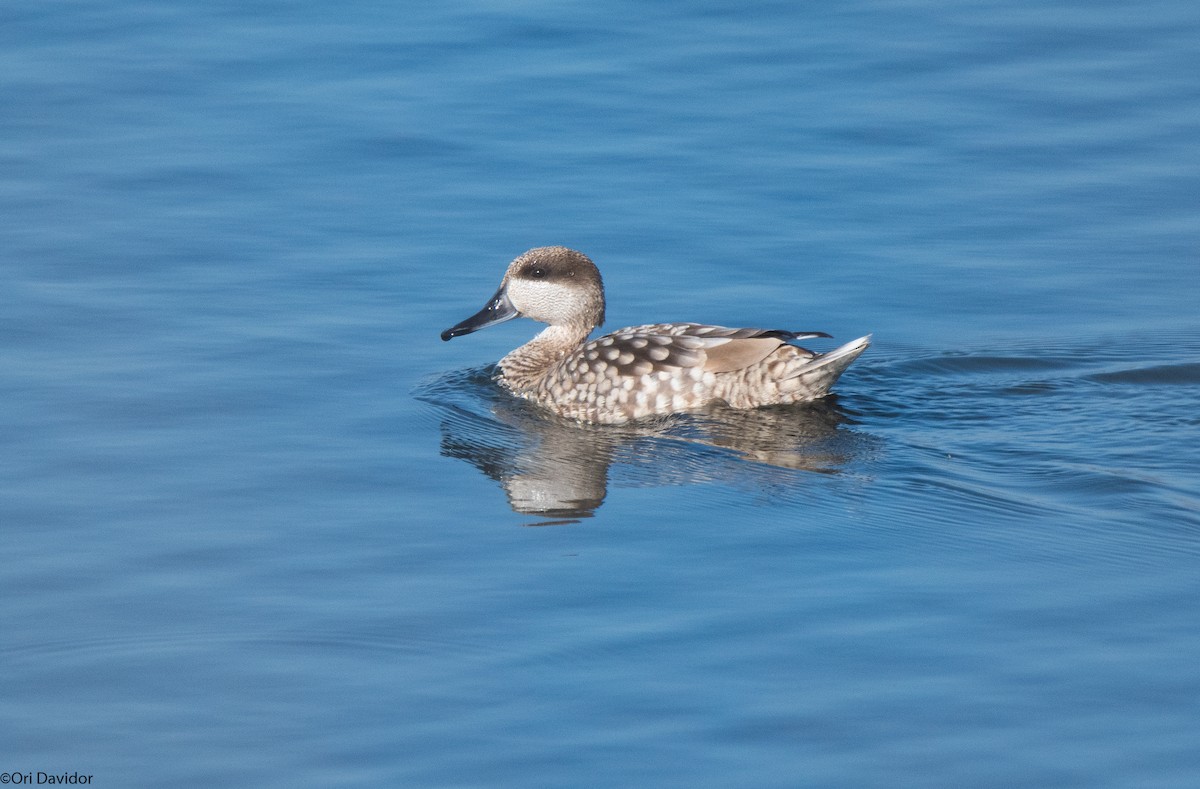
x,y
261,528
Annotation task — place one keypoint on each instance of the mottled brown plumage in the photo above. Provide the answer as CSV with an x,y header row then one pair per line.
x,y
640,371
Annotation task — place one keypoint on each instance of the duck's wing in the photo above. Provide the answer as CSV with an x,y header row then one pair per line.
x,y
722,332
641,350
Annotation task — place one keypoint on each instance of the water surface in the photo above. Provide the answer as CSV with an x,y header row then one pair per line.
x,y
262,528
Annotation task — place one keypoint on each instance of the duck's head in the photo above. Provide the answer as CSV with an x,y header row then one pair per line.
x,y
553,285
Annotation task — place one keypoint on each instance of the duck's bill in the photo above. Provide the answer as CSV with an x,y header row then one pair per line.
x,y
498,310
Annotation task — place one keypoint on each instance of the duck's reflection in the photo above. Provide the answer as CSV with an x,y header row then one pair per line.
x,y
560,470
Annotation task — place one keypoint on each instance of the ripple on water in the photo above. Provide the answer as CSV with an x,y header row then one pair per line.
x,y
1091,439
154,644
1155,375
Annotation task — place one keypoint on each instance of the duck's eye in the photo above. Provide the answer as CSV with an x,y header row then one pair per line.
x,y
537,272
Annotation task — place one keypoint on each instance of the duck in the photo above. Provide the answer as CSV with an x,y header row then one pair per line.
x,y
640,371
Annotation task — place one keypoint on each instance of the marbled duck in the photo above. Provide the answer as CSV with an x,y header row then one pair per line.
x,y
640,371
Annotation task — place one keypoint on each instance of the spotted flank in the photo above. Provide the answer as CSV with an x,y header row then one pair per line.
x,y
640,371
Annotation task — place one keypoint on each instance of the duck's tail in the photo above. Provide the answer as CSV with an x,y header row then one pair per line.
x,y
814,378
